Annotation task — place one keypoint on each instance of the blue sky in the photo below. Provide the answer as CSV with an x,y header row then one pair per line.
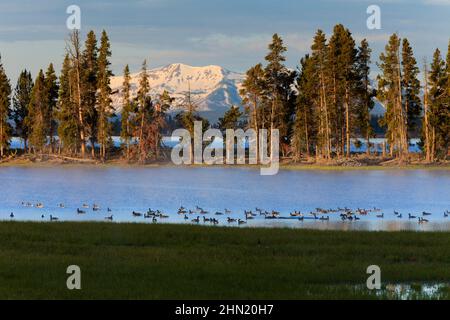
x,y
230,33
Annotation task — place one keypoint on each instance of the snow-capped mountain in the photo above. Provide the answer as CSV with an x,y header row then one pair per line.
x,y
213,89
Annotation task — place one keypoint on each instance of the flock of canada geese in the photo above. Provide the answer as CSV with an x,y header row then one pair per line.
x,y
193,215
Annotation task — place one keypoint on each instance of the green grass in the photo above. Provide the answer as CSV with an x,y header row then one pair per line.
x,y
138,261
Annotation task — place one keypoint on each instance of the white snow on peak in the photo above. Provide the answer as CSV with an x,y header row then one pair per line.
x,y
213,88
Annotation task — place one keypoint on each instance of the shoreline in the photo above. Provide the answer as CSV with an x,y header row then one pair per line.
x,y
25,163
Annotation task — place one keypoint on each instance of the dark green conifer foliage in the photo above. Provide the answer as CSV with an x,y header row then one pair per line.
x,y
21,100
5,111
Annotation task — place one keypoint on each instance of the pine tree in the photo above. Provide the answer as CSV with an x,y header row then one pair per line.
x,y
21,100
75,54
89,88
366,93
67,110
51,90
5,101
126,134
104,108
304,137
439,118
279,94
411,88
390,92
319,56
37,110
144,102
231,119
252,93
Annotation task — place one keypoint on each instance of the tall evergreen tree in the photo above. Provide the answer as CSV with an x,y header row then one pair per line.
x,y
390,92
104,107
67,109
77,76
51,89
37,111
411,88
144,102
5,112
439,111
126,134
280,94
21,100
89,87
304,137
253,98
320,57
366,92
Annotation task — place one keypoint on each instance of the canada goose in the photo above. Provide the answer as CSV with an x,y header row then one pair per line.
x,y
182,211
410,216
301,218
95,207
186,217
231,220
163,216
214,221
422,220
39,205
196,220
324,219
154,220
61,205
219,213
227,211
380,215
11,215
356,217
445,214
396,213
86,206
136,214
42,216
203,211
109,217
295,214
109,210
191,212
148,216
241,221
426,213
205,219
52,218
80,211
400,216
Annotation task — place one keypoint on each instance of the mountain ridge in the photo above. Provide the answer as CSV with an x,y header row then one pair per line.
x,y
213,89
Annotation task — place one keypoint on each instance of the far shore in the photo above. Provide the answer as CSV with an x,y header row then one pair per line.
x,y
351,164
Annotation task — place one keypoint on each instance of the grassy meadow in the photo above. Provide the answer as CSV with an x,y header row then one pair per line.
x,y
142,261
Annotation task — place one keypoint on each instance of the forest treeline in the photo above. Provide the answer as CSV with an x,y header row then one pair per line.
x,y
318,109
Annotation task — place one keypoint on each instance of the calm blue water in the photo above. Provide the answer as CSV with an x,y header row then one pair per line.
x,y
237,189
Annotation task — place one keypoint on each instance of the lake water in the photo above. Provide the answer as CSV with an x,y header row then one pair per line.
x,y
237,189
